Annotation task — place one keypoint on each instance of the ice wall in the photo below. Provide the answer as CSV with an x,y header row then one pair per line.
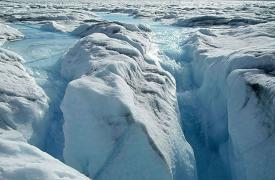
x,y
23,103
232,102
120,108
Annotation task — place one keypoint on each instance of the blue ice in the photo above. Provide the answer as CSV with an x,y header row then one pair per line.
x,y
41,51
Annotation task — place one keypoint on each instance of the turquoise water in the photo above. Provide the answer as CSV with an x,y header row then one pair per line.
x,y
167,37
41,51
169,40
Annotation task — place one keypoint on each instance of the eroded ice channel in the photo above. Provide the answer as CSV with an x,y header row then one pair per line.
x,y
41,51
169,40
199,59
176,60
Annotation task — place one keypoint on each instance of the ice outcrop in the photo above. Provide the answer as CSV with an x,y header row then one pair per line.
x,y
53,26
215,21
8,33
20,160
23,105
120,108
144,27
193,13
45,11
233,100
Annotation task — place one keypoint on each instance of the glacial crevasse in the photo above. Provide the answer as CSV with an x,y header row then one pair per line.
x,y
232,101
120,108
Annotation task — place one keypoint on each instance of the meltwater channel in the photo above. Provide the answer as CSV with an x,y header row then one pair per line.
x,y
42,50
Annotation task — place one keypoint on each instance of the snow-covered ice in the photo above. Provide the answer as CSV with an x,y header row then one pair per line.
x,y
23,102
20,160
136,87
42,61
126,104
53,27
233,97
8,33
23,105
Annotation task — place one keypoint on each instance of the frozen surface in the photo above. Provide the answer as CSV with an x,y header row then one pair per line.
x,y
23,106
8,33
232,99
20,160
193,13
128,108
53,26
220,53
227,144
41,58
23,103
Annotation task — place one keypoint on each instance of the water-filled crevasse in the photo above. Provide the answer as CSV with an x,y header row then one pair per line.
x,y
205,151
177,61
41,51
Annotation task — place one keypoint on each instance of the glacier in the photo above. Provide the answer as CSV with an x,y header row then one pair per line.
x,y
129,104
137,90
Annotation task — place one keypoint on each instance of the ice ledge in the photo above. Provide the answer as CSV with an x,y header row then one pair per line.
x,y
125,106
233,76
8,33
23,105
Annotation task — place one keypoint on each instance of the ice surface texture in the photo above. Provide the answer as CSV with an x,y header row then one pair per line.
x,y
23,102
9,33
233,72
53,26
120,108
23,105
192,13
20,160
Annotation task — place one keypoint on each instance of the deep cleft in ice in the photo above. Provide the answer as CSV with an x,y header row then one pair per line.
x,y
233,101
123,115
120,108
